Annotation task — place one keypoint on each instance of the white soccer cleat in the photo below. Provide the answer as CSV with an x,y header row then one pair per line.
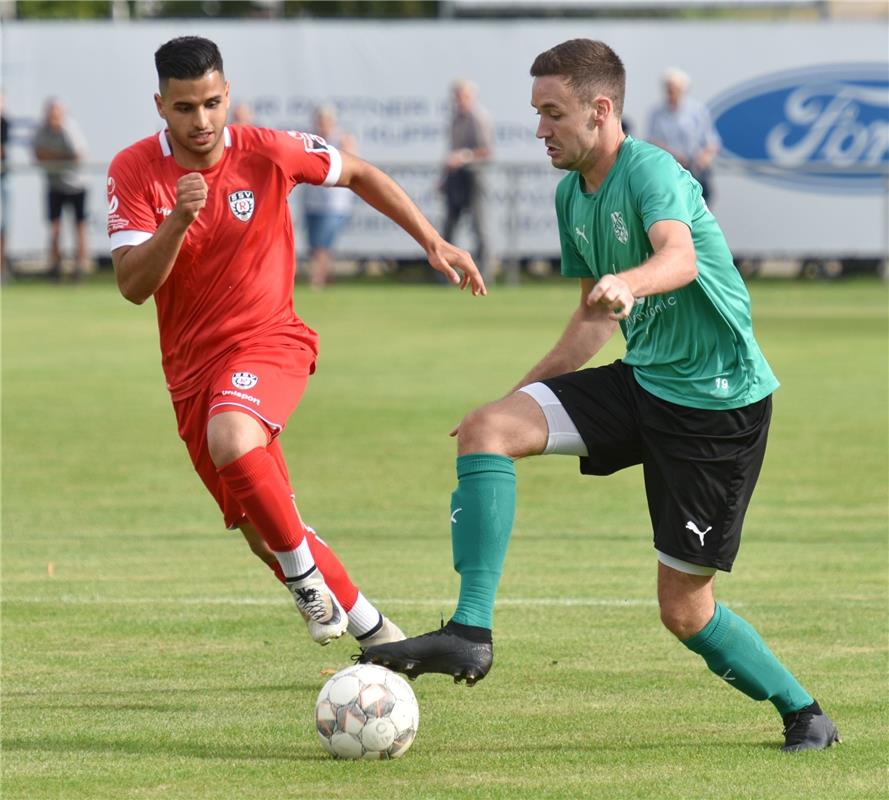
x,y
322,612
387,632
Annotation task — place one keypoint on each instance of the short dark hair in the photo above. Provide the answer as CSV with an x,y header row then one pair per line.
x,y
590,67
187,58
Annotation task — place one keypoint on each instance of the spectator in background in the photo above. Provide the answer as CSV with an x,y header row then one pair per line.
x,y
682,126
471,147
242,114
327,210
60,149
4,200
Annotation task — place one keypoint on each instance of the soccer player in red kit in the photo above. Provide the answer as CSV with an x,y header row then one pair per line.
x,y
198,219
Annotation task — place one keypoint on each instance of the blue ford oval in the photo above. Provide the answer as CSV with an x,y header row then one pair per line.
x,y
821,127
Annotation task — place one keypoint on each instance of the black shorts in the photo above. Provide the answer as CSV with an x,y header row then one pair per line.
x,y
700,466
58,200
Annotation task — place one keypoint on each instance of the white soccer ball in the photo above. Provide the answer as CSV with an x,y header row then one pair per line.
x,y
366,711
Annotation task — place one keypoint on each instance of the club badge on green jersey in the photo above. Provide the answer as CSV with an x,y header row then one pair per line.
x,y
693,345
620,229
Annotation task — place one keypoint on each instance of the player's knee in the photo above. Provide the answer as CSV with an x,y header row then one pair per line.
x,y
227,446
482,431
683,621
232,435
222,449
222,456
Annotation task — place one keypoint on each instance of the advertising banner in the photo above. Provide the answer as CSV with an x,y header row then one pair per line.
x,y
802,109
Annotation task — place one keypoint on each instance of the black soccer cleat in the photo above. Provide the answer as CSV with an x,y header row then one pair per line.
x,y
809,729
463,651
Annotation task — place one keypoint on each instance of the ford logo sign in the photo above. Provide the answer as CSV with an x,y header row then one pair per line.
x,y
824,127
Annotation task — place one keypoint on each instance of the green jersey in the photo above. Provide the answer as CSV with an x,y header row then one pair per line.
x,y
693,346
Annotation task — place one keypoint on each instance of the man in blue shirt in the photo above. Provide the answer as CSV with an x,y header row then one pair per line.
x,y
682,126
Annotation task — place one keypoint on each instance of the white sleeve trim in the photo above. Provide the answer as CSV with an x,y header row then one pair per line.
x,y
129,238
336,166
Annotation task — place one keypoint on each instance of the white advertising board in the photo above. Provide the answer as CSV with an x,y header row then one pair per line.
x,y
803,108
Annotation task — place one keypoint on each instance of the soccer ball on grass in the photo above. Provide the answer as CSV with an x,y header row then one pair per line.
x,y
366,711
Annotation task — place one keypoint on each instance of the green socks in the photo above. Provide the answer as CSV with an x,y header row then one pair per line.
x,y
735,652
482,511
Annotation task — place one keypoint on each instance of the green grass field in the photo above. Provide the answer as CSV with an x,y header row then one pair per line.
x,y
156,658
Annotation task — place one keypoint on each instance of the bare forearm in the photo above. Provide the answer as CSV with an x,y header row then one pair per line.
x,y
586,334
382,193
142,270
668,269
386,196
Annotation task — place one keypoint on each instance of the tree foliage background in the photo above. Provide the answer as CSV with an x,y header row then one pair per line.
x,y
158,9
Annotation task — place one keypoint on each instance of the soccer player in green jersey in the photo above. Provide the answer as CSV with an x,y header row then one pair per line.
x,y
690,400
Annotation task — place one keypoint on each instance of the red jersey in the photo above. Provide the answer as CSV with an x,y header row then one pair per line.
x,y
232,283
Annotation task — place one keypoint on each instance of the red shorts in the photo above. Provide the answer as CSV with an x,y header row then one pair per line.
x,y
266,383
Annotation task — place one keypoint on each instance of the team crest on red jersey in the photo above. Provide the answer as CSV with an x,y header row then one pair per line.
x,y
242,204
244,380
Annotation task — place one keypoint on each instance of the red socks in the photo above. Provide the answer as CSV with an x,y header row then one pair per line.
x,y
257,484
255,480
335,575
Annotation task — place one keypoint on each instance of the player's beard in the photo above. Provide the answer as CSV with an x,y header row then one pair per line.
x,y
562,160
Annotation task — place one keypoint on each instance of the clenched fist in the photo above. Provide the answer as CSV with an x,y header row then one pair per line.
x,y
191,196
613,292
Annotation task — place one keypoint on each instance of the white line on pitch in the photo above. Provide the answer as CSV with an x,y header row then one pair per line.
x,y
267,601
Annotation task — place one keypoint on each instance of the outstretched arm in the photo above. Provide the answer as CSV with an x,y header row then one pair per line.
x,y
384,194
141,270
